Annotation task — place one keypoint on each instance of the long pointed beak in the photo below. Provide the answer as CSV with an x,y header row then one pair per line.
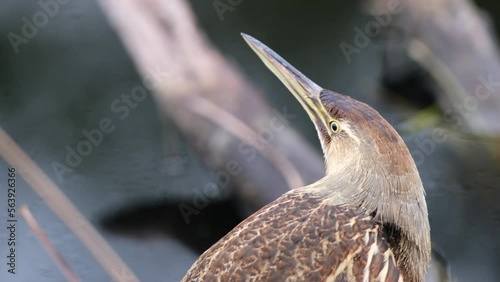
x,y
305,90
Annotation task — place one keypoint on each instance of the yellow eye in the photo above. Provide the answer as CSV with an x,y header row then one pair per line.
x,y
335,126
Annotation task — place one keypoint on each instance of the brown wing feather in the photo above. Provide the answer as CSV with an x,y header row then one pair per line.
x,y
299,237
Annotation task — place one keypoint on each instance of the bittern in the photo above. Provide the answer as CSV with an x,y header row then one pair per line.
x,y
366,220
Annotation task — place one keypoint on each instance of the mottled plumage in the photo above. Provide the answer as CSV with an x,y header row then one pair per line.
x,y
366,220
300,237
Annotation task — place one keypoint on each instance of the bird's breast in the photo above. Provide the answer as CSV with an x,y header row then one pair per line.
x,y
300,237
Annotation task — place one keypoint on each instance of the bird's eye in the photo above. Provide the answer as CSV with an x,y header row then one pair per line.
x,y
335,126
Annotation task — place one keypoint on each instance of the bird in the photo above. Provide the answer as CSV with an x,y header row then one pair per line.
x,y
365,220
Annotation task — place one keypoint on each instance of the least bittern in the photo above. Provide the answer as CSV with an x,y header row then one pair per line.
x,y
366,220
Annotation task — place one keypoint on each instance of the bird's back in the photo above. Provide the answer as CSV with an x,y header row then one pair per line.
x,y
300,237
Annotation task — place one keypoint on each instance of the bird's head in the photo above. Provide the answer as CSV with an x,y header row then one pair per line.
x,y
367,162
352,134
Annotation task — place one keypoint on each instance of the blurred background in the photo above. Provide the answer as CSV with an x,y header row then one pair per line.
x,y
433,72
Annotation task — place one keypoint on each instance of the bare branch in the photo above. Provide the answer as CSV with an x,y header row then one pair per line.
x,y
64,209
163,36
45,241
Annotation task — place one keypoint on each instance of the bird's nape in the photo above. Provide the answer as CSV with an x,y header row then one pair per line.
x,y
366,220
368,164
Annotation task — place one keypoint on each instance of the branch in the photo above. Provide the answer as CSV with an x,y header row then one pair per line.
x,y
42,237
64,209
162,36
452,41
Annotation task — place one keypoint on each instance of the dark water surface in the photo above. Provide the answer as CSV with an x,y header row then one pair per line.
x,y
68,76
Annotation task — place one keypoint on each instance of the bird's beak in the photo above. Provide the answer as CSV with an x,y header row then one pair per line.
x,y
305,90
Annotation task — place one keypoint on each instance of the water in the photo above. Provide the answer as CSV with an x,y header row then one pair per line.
x,y
66,78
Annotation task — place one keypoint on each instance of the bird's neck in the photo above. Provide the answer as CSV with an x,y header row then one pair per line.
x,y
396,202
